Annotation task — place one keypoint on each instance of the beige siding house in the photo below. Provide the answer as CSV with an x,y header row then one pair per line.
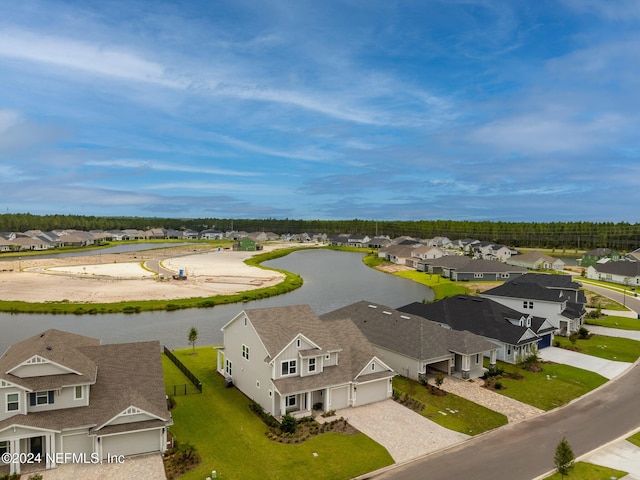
x,y
66,394
289,361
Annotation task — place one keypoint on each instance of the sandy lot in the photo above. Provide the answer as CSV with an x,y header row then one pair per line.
x,y
143,275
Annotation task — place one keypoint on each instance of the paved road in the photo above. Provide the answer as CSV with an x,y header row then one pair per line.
x,y
525,450
631,302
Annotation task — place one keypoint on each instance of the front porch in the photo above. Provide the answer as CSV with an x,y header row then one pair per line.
x,y
32,452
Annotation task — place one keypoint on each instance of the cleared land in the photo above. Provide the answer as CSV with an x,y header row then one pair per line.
x,y
146,275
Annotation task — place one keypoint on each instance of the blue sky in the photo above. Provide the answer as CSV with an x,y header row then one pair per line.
x,y
454,109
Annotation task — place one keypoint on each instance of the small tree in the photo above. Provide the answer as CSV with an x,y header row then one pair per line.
x,y
193,337
564,457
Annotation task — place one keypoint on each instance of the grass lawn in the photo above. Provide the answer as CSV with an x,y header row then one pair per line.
x,y
610,348
470,417
613,321
588,471
564,384
231,439
635,439
442,287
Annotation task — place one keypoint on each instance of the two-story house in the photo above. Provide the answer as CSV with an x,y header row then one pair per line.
x,y
62,393
289,361
554,297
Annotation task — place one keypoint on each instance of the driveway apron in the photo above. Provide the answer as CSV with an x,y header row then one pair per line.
x,y
607,368
405,434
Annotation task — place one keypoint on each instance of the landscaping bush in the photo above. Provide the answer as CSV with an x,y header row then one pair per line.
x,y
493,371
583,333
288,424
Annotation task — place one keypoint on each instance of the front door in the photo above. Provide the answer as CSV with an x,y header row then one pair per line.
x,y
36,445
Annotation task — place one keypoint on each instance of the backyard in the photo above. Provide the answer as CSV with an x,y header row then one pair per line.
x,y
231,439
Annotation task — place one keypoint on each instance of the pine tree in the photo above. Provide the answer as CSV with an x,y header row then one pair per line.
x,y
564,457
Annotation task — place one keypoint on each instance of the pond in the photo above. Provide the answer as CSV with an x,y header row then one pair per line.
x,y
331,280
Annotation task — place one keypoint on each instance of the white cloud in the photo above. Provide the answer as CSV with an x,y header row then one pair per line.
x,y
166,167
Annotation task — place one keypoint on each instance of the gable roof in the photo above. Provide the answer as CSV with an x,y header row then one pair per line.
x,y
58,347
129,374
625,268
481,316
410,335
278,326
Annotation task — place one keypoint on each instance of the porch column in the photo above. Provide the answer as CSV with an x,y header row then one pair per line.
x,y
493,358
50,450
283,408
14,467
325,403
308,401
466,366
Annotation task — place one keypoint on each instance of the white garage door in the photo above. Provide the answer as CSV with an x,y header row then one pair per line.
x,y
81,443
131,443
371,392
339,398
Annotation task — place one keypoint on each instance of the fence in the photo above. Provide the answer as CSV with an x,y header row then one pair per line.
x,y
182,389
192,378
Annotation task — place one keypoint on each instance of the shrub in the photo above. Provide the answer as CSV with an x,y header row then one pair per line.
x,y
439,380
171,402
288,424
583,333
493,371
498,385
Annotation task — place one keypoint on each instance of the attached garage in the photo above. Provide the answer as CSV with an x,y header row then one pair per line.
x,y
132,443
77,443
371,392
339,398
545,341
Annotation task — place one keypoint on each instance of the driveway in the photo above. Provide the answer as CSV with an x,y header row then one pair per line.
x,y
405,434
621,455
142,467
607,368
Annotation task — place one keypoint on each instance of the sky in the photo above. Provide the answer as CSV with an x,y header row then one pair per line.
x,y
499,110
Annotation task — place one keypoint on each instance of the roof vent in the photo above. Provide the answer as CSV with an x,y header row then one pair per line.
x,y
386,313
405,317
49,347
372,306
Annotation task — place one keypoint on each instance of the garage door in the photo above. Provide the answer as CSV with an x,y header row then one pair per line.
x,y
545,341
340,397
371,392
131,443
81,443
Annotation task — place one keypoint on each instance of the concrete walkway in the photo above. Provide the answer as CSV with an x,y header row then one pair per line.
x,y
615,332
475,392
405,434
621,455
607,368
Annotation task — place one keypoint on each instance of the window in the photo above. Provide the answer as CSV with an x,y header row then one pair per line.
x,y
312,364
228,367
290,401
4,447
289,367
41,398
477,358
478,275
77,394
13,402
530,304
270,393
373,367
245,352
524,304
298,343
257,383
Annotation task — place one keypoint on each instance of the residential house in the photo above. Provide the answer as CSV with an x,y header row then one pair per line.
x,y
493,251
598,255
423,252
439,264
133,234
481,270
554,297
536,261
514,334
414,346
7,246
211,234
29,243
360,241
634,256
63,393
189,234
289,361
398,254
624,272
379,242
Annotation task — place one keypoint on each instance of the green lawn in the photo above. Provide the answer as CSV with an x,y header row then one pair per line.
x,y
635,439
614,321
610,348
589,471
442,287
231,439
470,418
564,383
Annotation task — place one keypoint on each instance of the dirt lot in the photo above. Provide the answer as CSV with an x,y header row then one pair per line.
x,y
143,275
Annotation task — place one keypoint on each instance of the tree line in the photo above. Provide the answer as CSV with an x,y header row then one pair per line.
x,y
620,236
